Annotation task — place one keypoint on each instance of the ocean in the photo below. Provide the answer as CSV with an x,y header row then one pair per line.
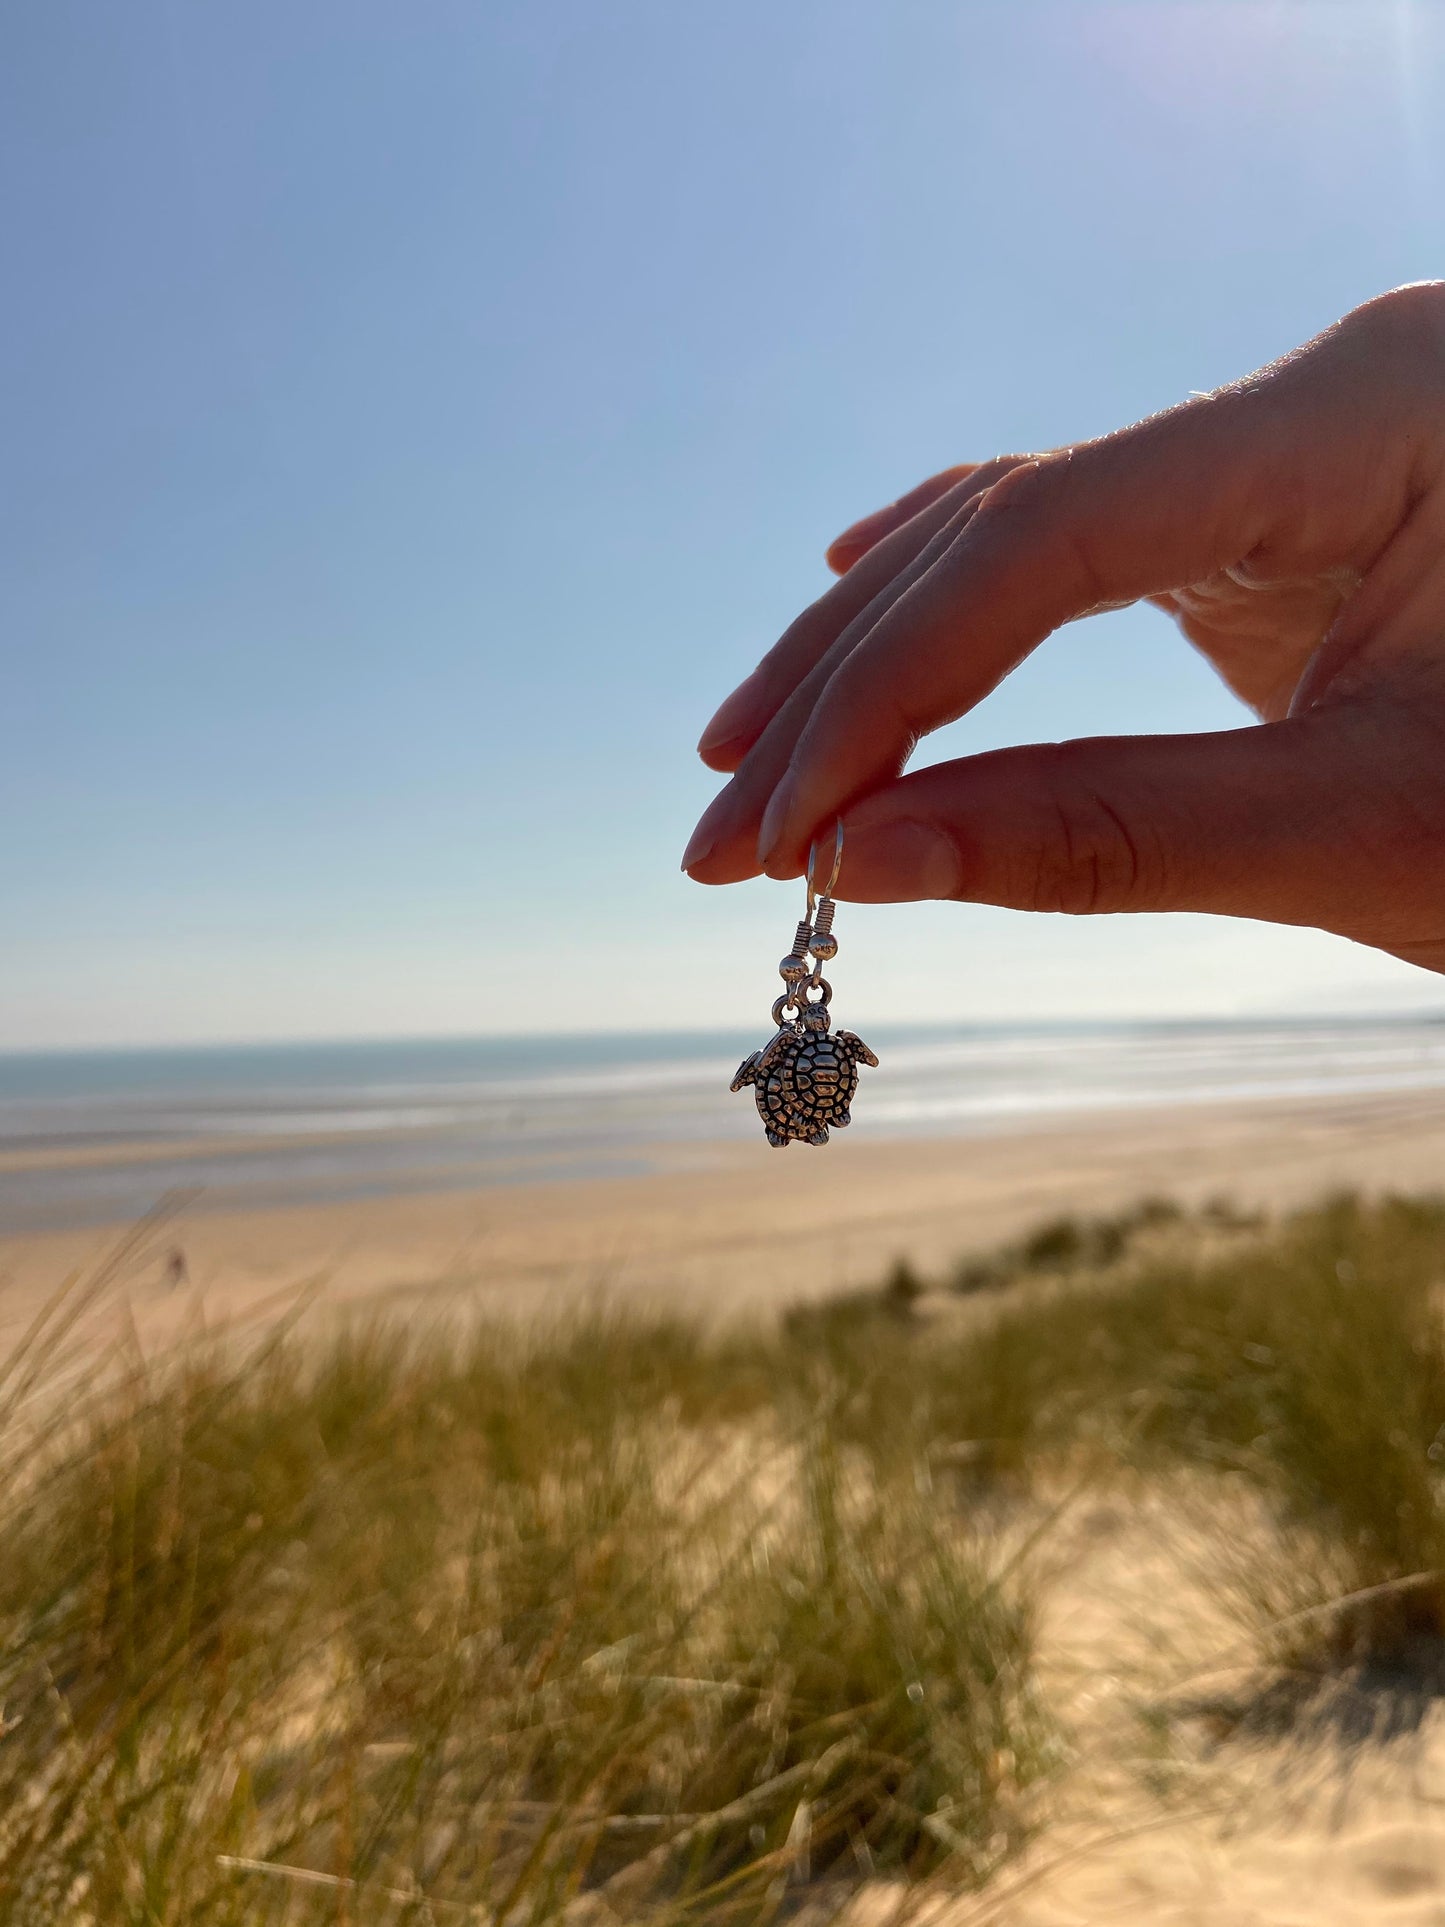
x,y
91,1137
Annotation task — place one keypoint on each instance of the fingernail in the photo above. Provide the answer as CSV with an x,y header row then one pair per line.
x,y
724,752
775,817
863,533
901,862
729,724
699,846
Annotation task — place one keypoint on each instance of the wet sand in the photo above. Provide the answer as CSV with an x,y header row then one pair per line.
x,y
714,1229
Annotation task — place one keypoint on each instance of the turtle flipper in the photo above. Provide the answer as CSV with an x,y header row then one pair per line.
x,y
768,1054
820,1136
856,1047
752,1068
778,1140
747,1071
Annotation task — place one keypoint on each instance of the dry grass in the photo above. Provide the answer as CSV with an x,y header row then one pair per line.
x,y
464,1626
1305,1358
614,1622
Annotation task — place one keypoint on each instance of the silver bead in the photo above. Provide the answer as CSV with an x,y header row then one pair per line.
x,y
792,970
824,947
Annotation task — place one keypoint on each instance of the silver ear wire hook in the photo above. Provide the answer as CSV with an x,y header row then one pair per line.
x,y
828,888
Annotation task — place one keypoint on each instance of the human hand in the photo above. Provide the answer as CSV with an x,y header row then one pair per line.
x,y
1294,526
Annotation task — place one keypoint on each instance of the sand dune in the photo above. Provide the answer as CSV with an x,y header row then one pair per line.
x,y
1320,1827
1315,1831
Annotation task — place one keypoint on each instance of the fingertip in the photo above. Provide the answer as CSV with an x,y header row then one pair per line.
x,y
725,755
735,726
842,554
722,865
718,851
786,851
856,540
773,830
860,536
783,848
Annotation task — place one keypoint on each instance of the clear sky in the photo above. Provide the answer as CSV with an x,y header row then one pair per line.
x,y
414,417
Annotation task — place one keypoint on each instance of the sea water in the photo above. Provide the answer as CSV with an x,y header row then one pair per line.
x,y
94,1136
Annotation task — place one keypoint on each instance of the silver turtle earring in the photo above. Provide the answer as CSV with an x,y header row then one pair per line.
x,y
804,1078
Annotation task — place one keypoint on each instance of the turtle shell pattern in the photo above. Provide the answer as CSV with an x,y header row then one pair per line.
x,y
808,1085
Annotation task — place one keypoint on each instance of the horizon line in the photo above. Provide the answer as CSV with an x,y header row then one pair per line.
x,y
1393,1014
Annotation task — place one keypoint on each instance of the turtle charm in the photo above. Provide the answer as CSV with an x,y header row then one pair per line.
x,y
804,1079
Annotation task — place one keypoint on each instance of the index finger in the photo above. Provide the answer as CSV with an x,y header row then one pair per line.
x,y
746,713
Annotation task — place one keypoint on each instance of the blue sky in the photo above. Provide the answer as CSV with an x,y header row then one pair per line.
x,y
416,417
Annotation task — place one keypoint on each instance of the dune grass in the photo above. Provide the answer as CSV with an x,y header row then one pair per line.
x,y
618,1621
1305,1358
476,1626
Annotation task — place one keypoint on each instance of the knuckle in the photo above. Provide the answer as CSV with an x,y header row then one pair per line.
x,y
989,474
1400,337
1091,857
1027,492
1040,506
1416,310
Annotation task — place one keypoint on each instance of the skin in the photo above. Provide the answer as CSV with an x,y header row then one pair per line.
x,y
1293,525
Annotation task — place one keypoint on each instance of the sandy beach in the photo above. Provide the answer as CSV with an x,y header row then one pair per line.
x,y
733,1229
714,1229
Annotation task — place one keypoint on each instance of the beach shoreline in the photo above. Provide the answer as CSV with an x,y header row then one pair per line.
x,y
93,1140
723,1228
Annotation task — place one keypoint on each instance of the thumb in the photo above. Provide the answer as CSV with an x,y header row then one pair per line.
x,y
1293,822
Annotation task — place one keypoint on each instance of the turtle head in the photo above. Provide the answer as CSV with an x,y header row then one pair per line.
x,y
814,1018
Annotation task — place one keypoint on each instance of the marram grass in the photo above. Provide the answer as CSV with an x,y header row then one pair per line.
x,y
1305,1359
605,1623
617,1622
